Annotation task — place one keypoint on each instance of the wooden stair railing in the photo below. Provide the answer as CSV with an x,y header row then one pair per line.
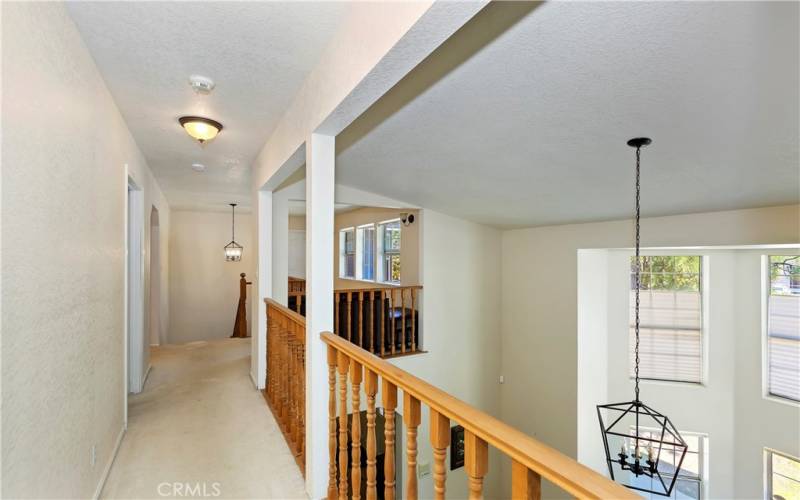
x,y
384,321
285,383
532,460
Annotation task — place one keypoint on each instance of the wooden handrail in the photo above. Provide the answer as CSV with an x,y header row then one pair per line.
x,y
531,458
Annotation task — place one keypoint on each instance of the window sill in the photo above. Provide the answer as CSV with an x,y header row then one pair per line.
x,y
371,282
780,400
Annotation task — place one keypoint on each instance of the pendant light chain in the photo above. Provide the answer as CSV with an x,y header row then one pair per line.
x,y
637,272
233,222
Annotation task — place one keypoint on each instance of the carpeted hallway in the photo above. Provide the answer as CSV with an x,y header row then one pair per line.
x,y
200,429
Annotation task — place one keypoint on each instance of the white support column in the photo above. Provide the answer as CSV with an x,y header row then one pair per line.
x,y
320,166
258,354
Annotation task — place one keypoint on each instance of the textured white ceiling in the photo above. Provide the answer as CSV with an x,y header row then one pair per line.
x,y
529,128
258,53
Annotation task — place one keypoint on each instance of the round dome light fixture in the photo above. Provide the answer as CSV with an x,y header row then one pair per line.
x,y
198,167
199,128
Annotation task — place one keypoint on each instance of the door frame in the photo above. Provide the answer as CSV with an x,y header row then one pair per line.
x,y
134,288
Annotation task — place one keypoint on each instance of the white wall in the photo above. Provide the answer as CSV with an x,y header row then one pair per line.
x,y
540,304
65,148
460,323
203,287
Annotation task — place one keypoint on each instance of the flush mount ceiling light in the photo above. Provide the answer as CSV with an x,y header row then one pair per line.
x,y
199,128
644,450
198,167
233,250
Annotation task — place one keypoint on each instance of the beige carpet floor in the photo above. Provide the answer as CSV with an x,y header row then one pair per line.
x,y
200,429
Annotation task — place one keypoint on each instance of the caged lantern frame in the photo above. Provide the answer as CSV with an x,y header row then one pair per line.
x,y
233,250
644,460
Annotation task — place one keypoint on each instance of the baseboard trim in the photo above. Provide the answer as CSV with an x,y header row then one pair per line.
x,y
110,463
146,374
253,380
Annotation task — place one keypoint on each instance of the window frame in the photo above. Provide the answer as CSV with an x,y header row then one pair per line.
x,y
768,452
360,254
381,252
766,292
704,316
343,253
702,461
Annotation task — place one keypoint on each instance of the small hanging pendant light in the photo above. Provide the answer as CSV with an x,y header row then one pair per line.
x,y
233,250
644,451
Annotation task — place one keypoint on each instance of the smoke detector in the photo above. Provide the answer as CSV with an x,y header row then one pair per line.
x,y
198,167
201,84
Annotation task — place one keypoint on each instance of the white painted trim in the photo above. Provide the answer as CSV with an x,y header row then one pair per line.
x,y
134,223
255,383
110,463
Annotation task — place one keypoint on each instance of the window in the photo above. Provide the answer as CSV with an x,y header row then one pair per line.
x,y
366,242
693,469
347,253
783,327
783,476
390,252
671,319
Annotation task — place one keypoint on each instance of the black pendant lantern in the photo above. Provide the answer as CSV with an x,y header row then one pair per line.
x,y
233,250
644,450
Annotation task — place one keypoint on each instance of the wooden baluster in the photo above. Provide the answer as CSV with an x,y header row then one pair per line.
x,y
356,373
369,321
298,381
371,388
297,303
440,440
389,397
525,483
332,489
289,384
270,367
336,314
413,319
403,317
392,311
361,319
302,396
383,321
411,417
286,374
476,461
343,363
282,375
349,314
